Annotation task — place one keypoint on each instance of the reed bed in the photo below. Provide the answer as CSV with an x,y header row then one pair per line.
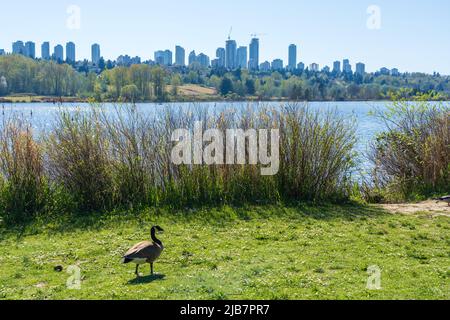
x,y
412,157
23,182
103,159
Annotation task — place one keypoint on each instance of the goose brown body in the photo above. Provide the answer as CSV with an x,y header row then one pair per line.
x,y
145,251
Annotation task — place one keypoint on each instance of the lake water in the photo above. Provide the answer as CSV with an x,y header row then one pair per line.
x,y
42,115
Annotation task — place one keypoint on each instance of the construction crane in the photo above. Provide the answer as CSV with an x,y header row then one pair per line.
x,y
255,35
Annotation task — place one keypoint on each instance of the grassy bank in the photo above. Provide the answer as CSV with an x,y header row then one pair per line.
x,y
271,252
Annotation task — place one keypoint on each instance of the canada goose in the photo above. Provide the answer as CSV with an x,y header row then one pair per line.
x,y
145,252
444,199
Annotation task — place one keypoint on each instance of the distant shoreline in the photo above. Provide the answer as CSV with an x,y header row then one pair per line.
x,y
56,100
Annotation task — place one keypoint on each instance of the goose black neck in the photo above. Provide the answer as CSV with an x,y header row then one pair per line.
x,y
154,239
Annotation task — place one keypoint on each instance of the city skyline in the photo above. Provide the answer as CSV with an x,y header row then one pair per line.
x,y
340,33
232,57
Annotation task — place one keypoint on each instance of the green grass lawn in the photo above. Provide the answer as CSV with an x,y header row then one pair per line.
x,y
267,252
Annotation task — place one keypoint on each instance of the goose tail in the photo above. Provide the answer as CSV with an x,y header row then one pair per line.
x,y
126,260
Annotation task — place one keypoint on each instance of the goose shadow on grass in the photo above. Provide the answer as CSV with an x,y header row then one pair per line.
x,y
147,279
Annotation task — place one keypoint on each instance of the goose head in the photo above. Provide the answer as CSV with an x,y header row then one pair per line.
x,y
157,228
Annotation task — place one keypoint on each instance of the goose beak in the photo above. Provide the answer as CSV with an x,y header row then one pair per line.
x,y
160,230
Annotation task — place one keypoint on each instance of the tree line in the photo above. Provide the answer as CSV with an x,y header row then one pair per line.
x,y
144,82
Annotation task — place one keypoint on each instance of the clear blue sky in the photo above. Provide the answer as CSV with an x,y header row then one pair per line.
x,y
414,34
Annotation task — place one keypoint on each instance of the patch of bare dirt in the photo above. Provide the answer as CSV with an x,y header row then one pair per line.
x,y
431,206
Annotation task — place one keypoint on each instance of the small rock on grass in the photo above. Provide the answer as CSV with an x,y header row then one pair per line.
x,y
58,268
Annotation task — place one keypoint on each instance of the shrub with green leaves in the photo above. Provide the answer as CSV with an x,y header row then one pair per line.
x,y
23,185
78,159
412,156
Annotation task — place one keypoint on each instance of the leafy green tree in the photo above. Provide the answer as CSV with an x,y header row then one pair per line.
x,y
118,77
109,65
141,76
175,83
250,87
102,64
159,85
215,82
3,86
226,86
296,92
130,93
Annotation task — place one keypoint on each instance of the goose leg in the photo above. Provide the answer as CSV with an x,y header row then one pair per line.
x,y
151,267
137,270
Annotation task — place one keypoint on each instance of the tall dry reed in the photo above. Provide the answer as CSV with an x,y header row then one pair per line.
x,y
412,156
23,187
